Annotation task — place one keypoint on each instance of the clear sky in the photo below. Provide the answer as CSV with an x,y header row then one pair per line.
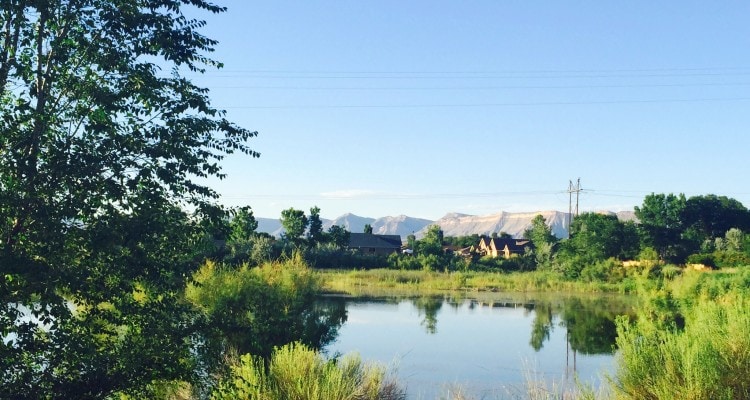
x,y
427,107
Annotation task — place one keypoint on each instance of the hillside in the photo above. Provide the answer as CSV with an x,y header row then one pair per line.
x,y
452,224
514,224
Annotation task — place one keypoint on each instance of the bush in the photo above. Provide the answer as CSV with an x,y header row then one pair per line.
x,y
609,270
327,256
702,258
727,259
709,359
297,372
255,309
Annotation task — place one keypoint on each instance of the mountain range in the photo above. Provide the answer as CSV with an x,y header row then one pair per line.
x,y
452,224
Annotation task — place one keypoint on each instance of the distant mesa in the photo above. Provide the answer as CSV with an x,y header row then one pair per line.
x,y
452,224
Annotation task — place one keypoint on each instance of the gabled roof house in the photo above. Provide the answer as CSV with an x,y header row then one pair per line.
x,y
369,243
503,247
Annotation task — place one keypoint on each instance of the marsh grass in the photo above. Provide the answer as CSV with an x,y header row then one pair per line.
x,y
535,387
708,359
421,282
297,372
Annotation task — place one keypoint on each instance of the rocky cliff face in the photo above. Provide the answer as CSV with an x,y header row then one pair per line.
x,y
513,224
452,224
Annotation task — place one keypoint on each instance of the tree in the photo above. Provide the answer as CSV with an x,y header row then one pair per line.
x,y
432,243
708,217
294,223
243,224
338,236
368,229
661,224
596,237
315,230
539,233
543,240
99,151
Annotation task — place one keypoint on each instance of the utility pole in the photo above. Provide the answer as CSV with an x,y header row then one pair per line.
x,y
573,189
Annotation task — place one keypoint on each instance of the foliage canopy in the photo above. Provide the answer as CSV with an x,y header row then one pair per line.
x,y
102,139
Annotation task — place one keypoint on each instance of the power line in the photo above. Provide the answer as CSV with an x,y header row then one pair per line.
x,y
464,76
532,104
494,72
505,87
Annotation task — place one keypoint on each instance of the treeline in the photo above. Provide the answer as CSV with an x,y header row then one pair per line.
x,y
708,230
669,229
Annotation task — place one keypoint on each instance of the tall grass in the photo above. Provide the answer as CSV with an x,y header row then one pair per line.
x,y
297,372
354,282
707,359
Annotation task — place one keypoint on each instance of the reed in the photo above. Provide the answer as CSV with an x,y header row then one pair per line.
x,y
421,282
297,372
708,359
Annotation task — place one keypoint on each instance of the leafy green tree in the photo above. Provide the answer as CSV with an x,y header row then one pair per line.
x,y
543,240
539,232
432,243
368,229
661,225
734,239
294,223
243,224
338,236
102,141
596,237
315,230
708,217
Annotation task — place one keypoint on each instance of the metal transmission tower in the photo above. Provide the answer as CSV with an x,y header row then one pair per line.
x,y
577,190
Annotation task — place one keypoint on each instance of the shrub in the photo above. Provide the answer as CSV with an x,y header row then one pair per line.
x,y
297,372
701,258
255,309
709,359
609,270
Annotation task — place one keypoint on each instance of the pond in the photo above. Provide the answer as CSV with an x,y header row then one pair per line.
x,y
485,345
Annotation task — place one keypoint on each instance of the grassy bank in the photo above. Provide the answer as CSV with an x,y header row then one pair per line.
x,y
357,282
690,339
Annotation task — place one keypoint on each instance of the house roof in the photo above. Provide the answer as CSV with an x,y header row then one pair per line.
x,y
514,245
369,240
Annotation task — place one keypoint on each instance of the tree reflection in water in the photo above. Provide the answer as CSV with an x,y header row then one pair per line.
x,y
429,307
589,324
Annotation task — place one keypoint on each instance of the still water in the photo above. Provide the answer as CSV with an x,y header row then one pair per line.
x,y
489,347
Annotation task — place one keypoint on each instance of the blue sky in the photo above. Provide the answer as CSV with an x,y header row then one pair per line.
x,y
428,107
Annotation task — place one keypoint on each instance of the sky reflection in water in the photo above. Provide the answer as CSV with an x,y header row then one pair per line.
x,y
488,348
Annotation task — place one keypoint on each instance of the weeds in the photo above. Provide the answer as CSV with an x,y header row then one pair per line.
x,y
297,372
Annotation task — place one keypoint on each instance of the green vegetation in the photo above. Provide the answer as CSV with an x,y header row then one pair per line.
x,y
253,310
296,372
105,287
424,282
102,141
692,341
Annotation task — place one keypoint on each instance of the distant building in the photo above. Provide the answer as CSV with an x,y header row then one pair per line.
x,y
502,247
368,243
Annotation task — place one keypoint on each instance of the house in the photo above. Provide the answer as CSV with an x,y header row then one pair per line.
x,y
502,247
368,243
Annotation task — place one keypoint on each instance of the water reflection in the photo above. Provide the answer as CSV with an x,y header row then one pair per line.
x,y
587,322
429,307
591,327
542,324
488,343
